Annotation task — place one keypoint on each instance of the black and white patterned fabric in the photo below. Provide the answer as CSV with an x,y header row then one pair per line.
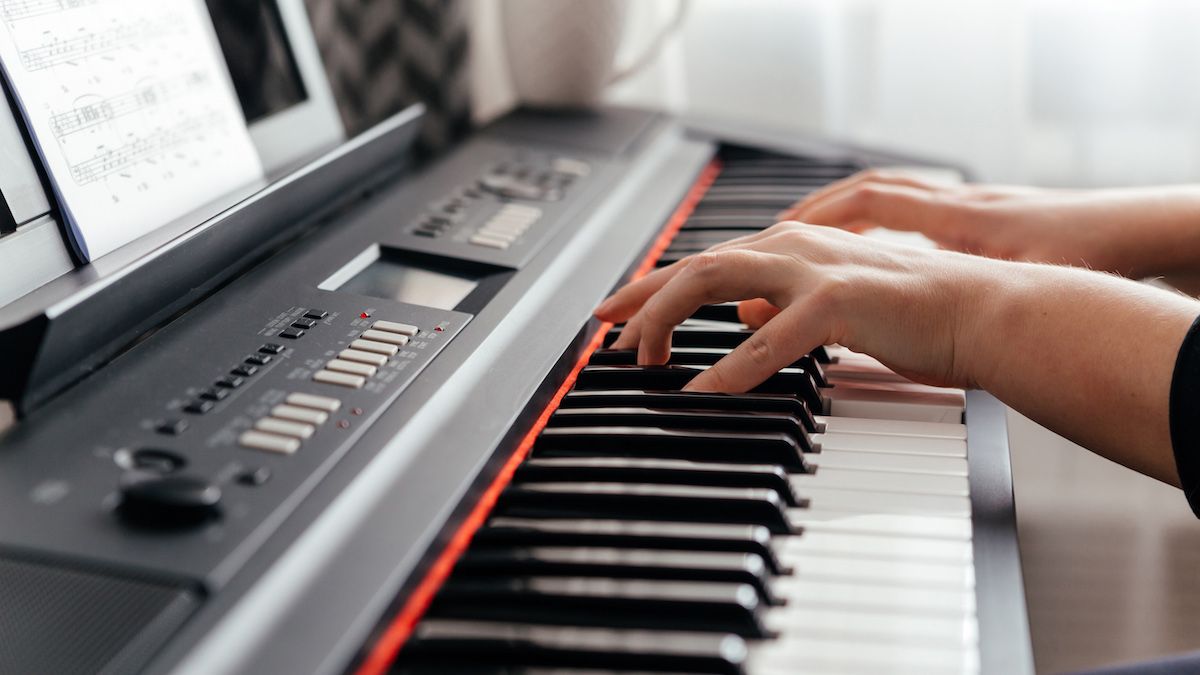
x,y
382,55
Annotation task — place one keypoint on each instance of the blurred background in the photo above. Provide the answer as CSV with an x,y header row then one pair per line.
x,y
1049,92
1054,92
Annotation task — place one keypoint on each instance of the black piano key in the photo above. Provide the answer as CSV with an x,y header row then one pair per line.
x,y
668,378
748,199
715,236
688,400
634,501
742,223
697,336
725,311
770,174
697,356
732,447
443,645
659,605
665,471
507,531
683,419
618,563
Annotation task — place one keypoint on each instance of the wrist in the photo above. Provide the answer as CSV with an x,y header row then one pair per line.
x,y
990,296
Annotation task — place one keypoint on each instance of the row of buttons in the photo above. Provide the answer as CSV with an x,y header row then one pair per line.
x,y
525,181
222,387
504,228
447,214
303,324
290,423
366,355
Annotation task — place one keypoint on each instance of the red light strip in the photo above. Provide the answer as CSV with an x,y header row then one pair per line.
x,y
401,627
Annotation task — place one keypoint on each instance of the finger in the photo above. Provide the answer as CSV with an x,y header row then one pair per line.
x,y
630,298
755,313
837,188
735,274
776,345
889,206
630,335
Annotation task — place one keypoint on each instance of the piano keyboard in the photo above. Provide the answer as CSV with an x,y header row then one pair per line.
x,y
821,523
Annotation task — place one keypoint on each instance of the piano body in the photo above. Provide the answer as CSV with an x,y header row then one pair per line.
x,y
363,421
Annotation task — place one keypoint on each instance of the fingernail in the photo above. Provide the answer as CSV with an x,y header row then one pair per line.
x,y
603,307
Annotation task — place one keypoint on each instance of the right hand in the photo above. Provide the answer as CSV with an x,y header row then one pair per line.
x,y
1134,232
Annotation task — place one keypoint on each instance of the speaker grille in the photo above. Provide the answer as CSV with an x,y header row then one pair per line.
x,y
60,620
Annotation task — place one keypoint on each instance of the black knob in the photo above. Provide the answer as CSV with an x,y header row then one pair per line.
x,y
167,501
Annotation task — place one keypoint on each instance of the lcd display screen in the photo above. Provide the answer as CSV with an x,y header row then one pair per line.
x,y
392,280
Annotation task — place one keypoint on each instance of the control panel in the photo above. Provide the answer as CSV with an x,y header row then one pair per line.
x,y
213,433
500,208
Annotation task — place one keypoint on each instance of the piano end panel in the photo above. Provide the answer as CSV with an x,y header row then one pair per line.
x,y
1004,640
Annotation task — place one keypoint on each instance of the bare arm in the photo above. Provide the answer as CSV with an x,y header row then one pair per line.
x,y
1088,355
1135,232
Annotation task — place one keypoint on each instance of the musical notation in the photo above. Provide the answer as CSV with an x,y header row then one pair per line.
x,y
131,108
105,110
15,10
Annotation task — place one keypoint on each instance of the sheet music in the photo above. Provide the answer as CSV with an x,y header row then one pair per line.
x,y
132,109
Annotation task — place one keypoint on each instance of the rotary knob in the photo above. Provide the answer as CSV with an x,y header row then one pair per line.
x,y
167,501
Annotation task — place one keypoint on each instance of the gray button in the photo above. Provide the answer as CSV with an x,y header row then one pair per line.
x,y
259,440
314,401
340,379
375,347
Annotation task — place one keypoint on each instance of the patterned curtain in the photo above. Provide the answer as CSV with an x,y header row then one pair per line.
x,y
382,55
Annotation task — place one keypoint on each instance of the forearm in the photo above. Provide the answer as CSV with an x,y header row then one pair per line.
x,y
1142,232
1088,355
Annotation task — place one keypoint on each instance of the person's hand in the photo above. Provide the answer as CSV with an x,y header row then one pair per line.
x,y
811,286
1134,232
1045,339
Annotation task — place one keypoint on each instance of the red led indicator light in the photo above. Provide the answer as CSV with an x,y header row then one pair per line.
x,y
364,315
343,424
356,411
438,328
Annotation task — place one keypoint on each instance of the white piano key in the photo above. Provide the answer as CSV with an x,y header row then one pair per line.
x,y
887,502
913,445
893,405
816,542
864,371
839,353
817,593
859,425
881,481
952,631
884,461
899,571
897,525
907,386
799,652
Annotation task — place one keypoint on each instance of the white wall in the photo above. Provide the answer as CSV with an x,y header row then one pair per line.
x,y
1050,92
